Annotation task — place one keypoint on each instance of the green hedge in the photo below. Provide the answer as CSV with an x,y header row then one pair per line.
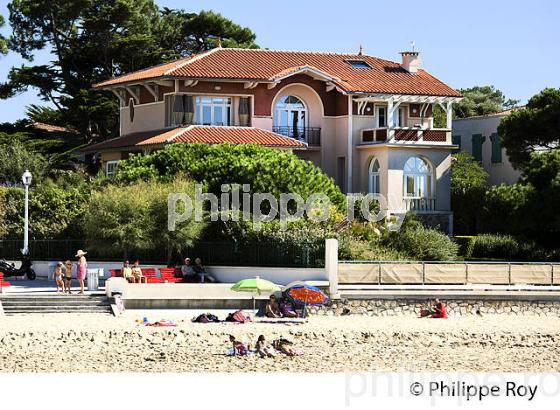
x,y
466,245
496,246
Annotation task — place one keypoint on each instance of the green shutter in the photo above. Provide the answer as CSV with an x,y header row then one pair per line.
x,y
496,149
456,140
477,147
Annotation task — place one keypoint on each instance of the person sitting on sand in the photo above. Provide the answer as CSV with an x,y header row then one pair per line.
x,y
68,275
439,311
285,346
287,309
137,273
57,276
272,308
239,349
263,348
127,272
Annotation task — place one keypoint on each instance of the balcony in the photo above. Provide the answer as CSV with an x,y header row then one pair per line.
x,y
370,135
309,135
419,204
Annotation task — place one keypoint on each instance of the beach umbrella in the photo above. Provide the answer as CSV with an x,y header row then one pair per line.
x,y
307,295
255,285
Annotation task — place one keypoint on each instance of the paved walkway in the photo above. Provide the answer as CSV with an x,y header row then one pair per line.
x,y
40,287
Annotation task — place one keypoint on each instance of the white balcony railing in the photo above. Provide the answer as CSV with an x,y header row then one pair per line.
x,y
401,134
419,204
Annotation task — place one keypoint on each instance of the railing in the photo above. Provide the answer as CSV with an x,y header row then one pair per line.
x,y
310,135
215,124
404,134
419,204
306,254
513,274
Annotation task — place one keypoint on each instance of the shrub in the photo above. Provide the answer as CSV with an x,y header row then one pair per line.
x,y
264,169
495,246
355,249
419,242
466,245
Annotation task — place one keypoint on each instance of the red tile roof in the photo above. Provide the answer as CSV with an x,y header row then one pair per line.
x,y
267,65
198,133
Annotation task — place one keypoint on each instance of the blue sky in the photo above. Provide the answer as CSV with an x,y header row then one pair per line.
x,y
513,45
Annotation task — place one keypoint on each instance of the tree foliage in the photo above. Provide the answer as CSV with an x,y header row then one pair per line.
x,y
534,128
92,40
134,217
3,41
15,158
481,100
266,170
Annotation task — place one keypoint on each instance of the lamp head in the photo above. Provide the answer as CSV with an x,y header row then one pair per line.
x,y
26,178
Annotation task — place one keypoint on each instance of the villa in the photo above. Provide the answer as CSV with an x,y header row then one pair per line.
x,y
365,121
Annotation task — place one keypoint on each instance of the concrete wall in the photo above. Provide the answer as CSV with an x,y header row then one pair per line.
x,y
467,127
224,274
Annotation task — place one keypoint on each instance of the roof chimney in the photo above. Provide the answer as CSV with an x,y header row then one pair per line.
x,y
411,60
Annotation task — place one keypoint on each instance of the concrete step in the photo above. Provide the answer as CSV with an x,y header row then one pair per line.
x,y
29,304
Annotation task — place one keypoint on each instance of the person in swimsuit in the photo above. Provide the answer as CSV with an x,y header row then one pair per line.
x,y
68,275
82,269
263,348
272,308
57,276
127,272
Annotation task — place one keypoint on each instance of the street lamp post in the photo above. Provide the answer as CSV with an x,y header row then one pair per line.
x,y
26,178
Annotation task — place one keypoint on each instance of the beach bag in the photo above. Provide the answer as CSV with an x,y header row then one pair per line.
x,y
239,317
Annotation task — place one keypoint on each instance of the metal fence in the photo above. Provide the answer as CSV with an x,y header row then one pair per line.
x,y
289,254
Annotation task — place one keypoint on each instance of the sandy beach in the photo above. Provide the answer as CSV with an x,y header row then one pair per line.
x,y
99,343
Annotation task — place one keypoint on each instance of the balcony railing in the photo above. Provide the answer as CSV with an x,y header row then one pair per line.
x,y
419,204
310,135
405,135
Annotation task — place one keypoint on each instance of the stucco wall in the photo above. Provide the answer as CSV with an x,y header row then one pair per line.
x,y
466,128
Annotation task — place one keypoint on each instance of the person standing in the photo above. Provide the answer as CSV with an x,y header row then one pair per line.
x,y
68,275
82,269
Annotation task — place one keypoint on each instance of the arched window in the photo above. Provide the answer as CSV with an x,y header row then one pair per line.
x,y
417,178
290,116
373,187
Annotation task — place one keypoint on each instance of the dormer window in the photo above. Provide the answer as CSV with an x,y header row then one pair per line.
x,y
359,64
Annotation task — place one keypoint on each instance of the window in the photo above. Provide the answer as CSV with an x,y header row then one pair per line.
x,y
496,149
373,176
417,178
180,109
213,110
111,168
477,147
290,117
456,140
358,64
381,117
400,118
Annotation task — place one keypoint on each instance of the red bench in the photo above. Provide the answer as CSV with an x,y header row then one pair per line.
x,y
3,283
171,275
151,275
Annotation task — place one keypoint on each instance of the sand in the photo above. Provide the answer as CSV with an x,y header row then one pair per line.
x,y
102,343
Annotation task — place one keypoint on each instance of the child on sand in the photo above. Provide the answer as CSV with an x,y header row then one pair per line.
x,y
263,348
286,347
57,276
239,349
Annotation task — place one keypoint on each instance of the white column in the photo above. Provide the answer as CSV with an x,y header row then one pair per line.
x,y
390,119
350,147
449,115
331,266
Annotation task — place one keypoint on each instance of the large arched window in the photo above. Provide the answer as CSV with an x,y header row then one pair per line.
x,y
373,186
290,116
417,178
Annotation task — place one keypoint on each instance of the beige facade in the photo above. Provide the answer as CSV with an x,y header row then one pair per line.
x,y
467,130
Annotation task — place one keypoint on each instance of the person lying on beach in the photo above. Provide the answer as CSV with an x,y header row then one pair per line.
x,y
287,309
263,348
286,347
239,349
272,308
57,276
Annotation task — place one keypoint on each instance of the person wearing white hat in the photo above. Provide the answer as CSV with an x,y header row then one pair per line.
x,y
82,268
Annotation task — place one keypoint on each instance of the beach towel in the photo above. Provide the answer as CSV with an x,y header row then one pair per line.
x,y
161,323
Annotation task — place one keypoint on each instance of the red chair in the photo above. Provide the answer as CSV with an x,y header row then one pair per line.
x,y
3,283
170,275
116,273
151,275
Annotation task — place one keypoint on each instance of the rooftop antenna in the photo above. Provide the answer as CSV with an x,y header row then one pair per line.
x,y
412,44
361,52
